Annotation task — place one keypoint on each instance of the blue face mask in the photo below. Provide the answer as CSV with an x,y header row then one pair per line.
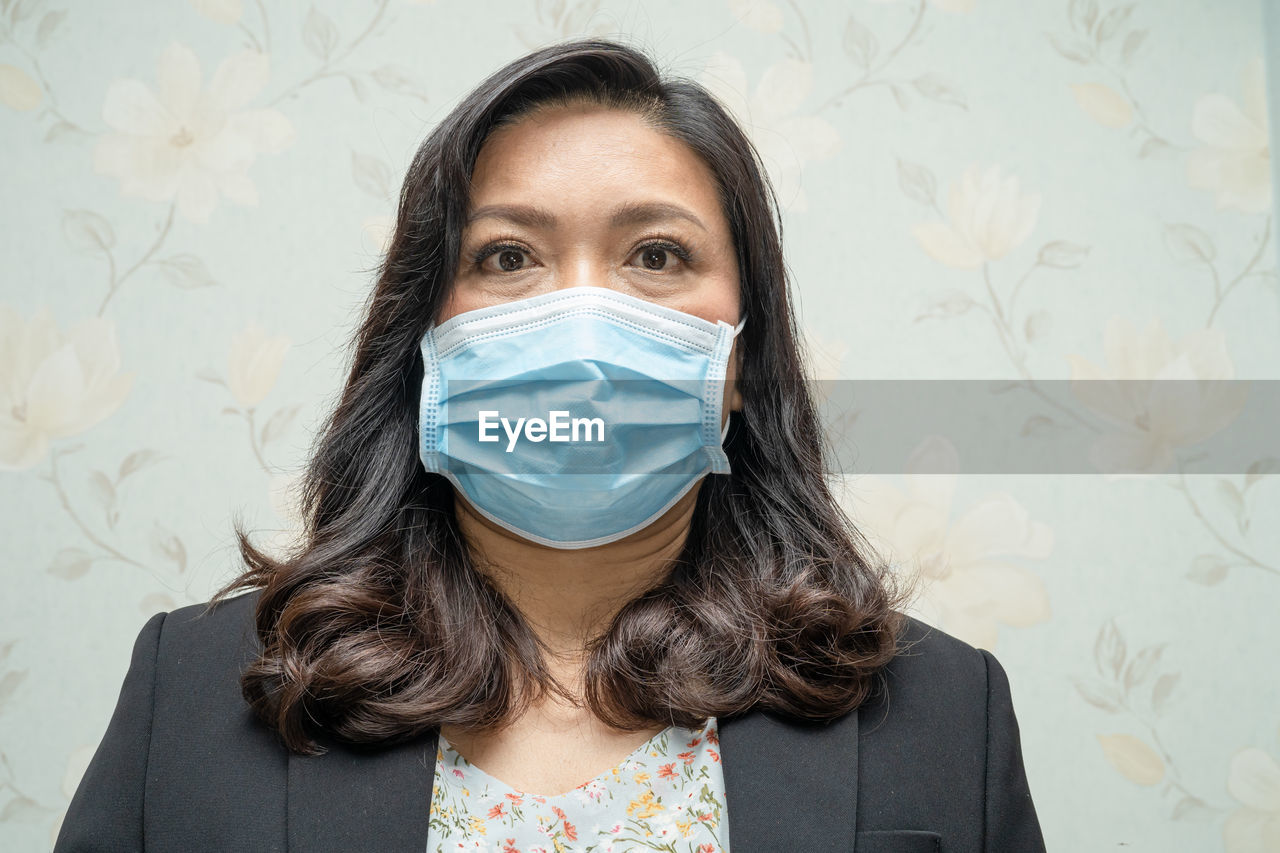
x,y
577,417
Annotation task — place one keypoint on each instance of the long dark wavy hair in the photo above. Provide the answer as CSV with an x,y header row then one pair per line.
x,y
378,625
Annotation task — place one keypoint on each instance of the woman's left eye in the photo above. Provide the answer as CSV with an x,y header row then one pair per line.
x,y
655,256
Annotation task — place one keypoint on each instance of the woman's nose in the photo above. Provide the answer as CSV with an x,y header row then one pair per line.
x,y
583,270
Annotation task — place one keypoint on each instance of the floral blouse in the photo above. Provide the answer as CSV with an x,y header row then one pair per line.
x,y
666,795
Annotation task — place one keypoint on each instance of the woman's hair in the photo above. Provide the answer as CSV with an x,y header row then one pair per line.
x,y
378,625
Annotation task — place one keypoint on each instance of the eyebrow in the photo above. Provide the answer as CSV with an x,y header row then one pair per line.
x,y
633,213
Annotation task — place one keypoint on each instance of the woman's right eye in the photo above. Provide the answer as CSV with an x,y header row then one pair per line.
x,y
506,257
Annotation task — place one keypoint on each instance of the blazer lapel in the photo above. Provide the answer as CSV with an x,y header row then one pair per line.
x,y
362,799
790,786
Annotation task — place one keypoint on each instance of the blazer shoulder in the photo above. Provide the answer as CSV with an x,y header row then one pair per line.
x,y
919,639
202,653
923,645
939,747
217,635
215,617
215,771
934,673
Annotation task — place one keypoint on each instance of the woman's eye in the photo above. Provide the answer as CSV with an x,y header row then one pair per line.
x,y
659,257
510,259
507,258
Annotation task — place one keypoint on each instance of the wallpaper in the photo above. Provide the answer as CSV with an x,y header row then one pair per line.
x,y
196,195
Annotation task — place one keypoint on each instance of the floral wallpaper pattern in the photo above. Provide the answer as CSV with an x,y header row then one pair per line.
x,y
197,194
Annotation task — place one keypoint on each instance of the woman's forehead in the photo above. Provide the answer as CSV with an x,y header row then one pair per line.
x,y
594,157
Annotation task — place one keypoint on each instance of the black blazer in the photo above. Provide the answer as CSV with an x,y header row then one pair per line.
x,y
932,764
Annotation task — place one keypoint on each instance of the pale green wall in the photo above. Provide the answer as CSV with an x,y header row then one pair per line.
x,y
1089,568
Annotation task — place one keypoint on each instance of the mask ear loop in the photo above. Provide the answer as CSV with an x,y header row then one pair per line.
x,y
724,430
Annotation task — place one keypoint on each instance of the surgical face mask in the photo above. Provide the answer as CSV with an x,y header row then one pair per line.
x,y
577,417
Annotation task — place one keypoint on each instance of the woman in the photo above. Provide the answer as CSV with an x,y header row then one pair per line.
x,y
656,631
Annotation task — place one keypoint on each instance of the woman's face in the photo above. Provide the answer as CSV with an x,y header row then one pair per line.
x,y
590,196
575,196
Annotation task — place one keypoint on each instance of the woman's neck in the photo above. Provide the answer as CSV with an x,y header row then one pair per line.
x,y
570,596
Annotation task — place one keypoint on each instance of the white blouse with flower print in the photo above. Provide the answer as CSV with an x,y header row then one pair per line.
x,y
666,795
